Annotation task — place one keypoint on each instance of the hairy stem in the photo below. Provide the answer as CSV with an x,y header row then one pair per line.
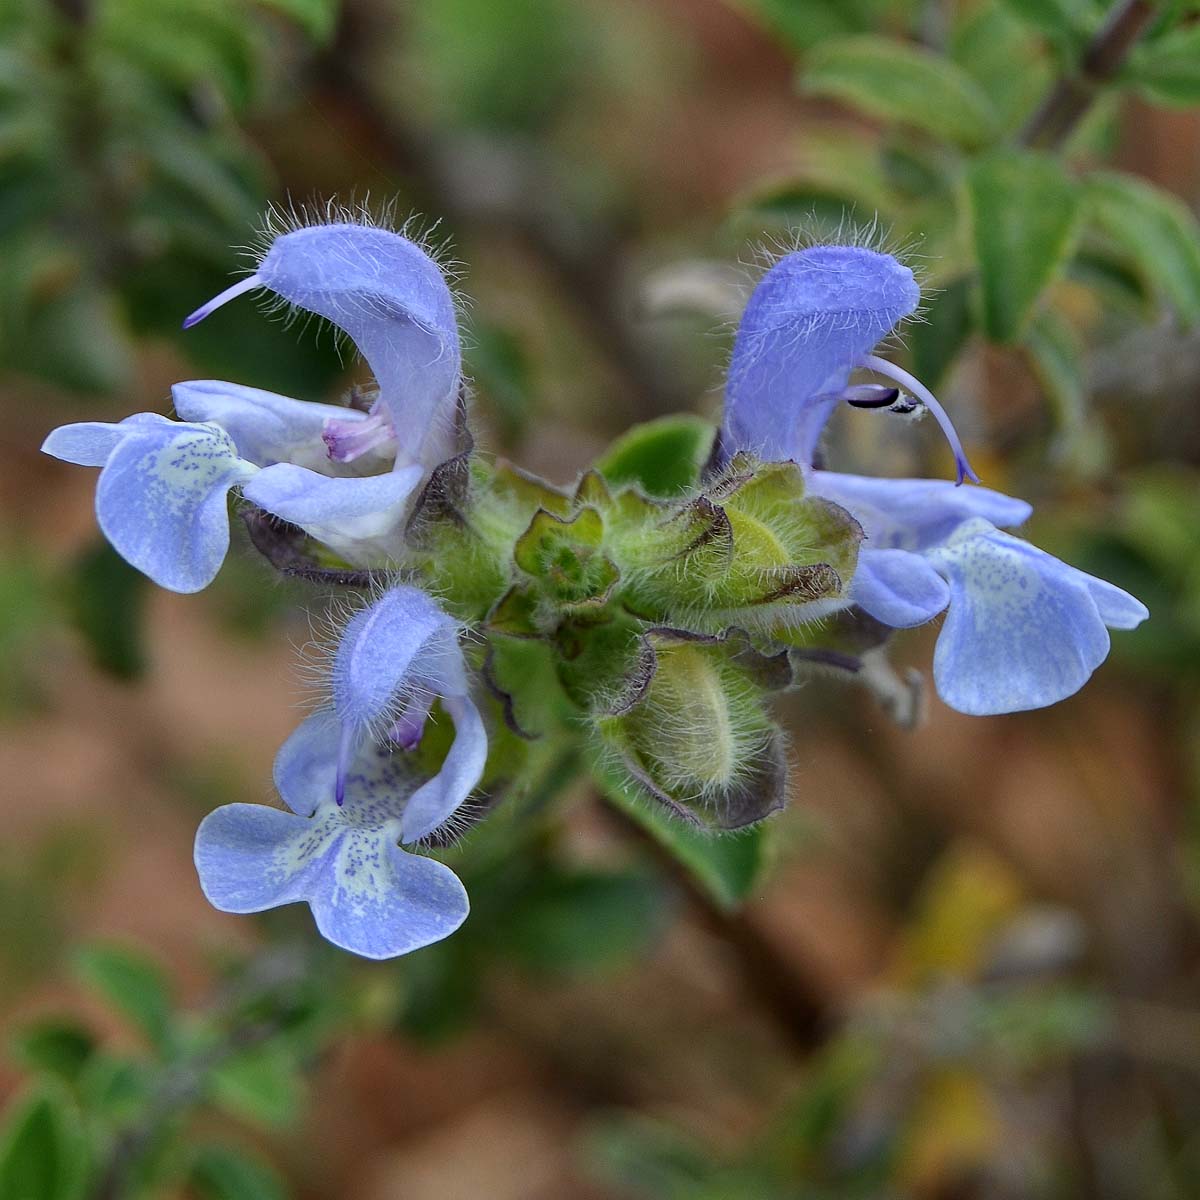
x,y
1072,96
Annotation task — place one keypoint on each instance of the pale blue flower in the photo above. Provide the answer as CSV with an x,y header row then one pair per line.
x,y
815,317
1022,629
367,894
161,497
346,477
395,657
348,779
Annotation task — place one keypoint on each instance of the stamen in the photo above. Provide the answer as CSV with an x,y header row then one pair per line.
x,y
347,440
904,379
230,293
345,747
871,395
410,726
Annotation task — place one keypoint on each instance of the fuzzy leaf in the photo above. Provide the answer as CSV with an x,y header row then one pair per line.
x,y
42,1151
223,1173
58,1047
1024,211
262,1085
726,866
1167,70
1156,230
662,457
133,985
899,82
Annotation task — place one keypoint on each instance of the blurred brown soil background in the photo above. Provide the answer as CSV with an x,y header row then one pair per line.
x,y
903,854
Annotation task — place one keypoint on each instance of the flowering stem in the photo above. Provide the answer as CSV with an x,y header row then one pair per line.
x,y
785,996
1074,94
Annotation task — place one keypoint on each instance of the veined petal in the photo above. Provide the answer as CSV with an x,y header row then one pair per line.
x,y
380,901
392,299
898,587
1023,630
813,317
335,510
367,895
433,802
161,500
266,428
248,858
89,443
914,514
1117,608
306,764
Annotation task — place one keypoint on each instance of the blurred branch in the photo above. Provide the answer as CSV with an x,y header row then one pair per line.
x,y
185,1082
787,998
1074,94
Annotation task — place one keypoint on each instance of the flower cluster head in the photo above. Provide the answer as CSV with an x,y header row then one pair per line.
x,y
643,616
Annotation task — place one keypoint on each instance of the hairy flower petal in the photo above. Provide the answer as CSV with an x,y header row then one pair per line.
x,y
811,320
392,299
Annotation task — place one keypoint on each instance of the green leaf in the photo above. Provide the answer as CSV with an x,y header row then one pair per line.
x,y
985,45
1067,21
502,370
662,457
318,18
1057,360
133,985
56,1046
107,598
800,24
726,865
1167,70
1156,230
572,921
899,82
225,1173
1056,356
262,1085
42,1152
1024,213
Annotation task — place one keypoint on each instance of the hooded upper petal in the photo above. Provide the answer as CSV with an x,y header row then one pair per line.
x,y
393,300
394,656
811,320
1023,629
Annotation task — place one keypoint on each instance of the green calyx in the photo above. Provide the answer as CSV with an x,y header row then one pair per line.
x,y
647,612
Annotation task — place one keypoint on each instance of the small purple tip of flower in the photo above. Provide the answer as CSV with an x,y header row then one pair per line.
x,y
230,293
408,731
